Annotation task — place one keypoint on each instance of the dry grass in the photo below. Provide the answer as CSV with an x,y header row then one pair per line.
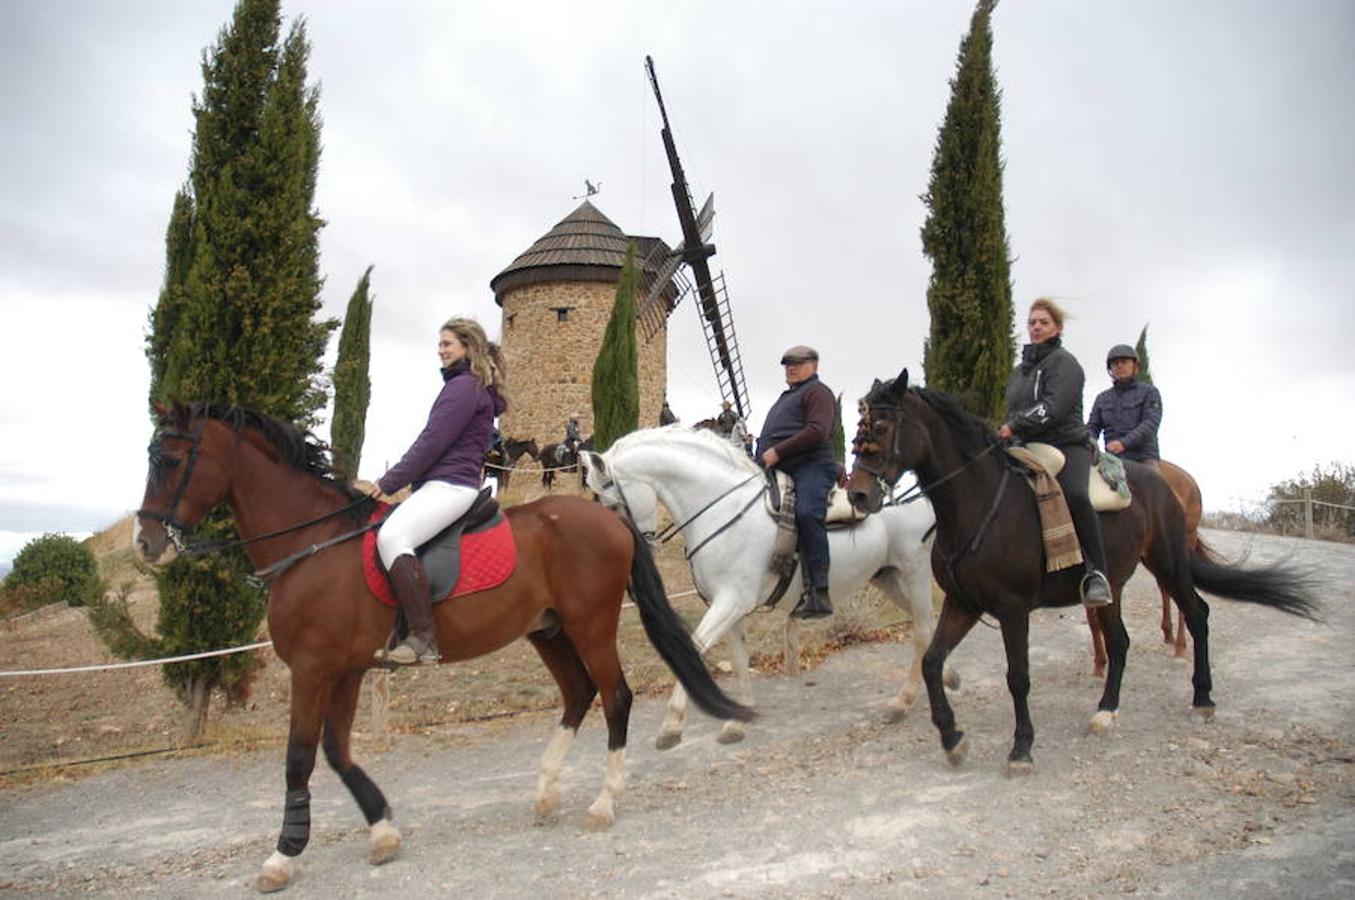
x,y
58,719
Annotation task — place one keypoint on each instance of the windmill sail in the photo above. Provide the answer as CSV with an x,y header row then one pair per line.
x,y
696,251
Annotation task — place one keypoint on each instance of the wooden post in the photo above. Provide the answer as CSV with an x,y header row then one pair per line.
x,y
1308,513
381,701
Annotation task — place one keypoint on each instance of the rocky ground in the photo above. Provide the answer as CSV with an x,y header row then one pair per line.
x,y
822,799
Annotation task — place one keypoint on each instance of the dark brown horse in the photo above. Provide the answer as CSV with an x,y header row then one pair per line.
x,y
575,560
988,556
559,458
1187,493
500,460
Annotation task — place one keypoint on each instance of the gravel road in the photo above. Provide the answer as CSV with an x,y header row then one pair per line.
x,y
822,799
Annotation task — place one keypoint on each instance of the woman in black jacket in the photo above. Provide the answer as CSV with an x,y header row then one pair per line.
x,y
1044,403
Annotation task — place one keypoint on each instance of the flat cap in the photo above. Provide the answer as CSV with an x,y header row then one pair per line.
x,y
798,354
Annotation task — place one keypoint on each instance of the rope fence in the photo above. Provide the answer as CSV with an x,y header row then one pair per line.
x,y
164,661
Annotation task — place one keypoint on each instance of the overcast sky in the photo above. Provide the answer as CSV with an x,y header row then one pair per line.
x,y
1185,165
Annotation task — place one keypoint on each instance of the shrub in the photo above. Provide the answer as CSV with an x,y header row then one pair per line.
x,y
59,558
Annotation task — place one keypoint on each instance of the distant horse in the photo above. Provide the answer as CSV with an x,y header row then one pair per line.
x,y
574,562
1187,493
500,462
715,494
989,559
563,459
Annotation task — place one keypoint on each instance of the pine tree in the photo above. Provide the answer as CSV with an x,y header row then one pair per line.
x,y
239,326
616,376
1141,348
970,350
352,386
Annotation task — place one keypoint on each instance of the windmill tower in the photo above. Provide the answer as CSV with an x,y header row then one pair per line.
x,y
556,299
662,270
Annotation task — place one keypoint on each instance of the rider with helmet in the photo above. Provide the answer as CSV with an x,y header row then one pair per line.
x,y
1044,403
1129,412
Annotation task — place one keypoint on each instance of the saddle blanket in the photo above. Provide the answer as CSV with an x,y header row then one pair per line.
x,y
488,557
1061,548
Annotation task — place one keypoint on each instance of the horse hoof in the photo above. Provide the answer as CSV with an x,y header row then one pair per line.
x,y
1205,713
600,817
546,808
668,740
276,874
955,755
385,843
1099,672
893,715
1017,768
1103,721
732,733
951,679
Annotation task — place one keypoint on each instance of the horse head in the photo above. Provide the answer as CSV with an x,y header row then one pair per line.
x,y
889,441
638,501
188,474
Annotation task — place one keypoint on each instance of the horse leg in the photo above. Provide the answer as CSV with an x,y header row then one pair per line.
x,y
737,643
951,627
343,704
913,594
310,697
605,667
1016,641
1167,604
1196,613
1117,648
1098,645
576,691
721,616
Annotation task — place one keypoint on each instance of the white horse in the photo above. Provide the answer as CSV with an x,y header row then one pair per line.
x,y
715,495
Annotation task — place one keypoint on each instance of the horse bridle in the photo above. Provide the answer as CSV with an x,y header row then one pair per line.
x,y
177,530
886,485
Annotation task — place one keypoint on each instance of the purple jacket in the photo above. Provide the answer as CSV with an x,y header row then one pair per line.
x,y
452,445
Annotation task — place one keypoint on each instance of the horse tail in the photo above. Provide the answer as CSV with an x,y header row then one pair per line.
x,y
1280,586
669,635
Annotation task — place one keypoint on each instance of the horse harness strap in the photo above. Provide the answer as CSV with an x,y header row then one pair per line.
x,y
674,529
737,516
970,605
269,573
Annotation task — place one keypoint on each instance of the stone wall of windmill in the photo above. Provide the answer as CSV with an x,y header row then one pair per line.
x,y
556,299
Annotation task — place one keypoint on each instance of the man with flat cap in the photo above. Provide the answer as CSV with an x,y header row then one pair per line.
x,y
795,438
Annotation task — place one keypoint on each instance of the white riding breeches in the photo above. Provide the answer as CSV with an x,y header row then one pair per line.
x,y
434,506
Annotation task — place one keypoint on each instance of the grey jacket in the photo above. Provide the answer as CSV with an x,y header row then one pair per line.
x,y
1044,395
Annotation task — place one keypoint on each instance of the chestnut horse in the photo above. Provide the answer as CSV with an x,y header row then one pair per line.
x,y
988,556
1187,493
575,560
500,462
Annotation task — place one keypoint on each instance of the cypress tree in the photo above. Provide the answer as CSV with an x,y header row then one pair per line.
x,y
241,327
1141,348
352,386
616,378
970,349
164,319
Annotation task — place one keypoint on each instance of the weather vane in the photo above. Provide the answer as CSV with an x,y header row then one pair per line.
x,y
589,189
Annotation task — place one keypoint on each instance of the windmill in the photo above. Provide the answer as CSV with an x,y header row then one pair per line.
x,y
662,266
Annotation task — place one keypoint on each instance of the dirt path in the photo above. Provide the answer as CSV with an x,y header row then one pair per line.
x,y
820,800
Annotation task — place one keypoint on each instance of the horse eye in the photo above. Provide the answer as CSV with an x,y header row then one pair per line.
x,y
879,428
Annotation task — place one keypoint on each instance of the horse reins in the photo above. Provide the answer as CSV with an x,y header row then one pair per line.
x,y
674,529
178,531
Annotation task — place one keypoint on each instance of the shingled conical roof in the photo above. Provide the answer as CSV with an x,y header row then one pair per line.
x,y
584,246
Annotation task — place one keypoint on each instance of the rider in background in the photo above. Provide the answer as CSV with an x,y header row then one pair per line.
x,y
726,421
1129,412
796,438
445,464
1044,403
570,445
666,415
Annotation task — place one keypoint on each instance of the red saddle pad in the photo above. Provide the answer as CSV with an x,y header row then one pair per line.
x,y
487,559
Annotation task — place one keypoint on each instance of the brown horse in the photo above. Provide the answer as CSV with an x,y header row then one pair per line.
x,y
1187,493
500,462
575,560
988,556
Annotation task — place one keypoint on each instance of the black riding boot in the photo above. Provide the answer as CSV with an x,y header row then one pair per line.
x,y
814,602
410,583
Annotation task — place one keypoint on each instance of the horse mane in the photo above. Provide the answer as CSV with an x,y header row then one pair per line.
x,y
695,436
972,432
296,448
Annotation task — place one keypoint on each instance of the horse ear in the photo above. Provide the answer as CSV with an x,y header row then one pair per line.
x,y
595,468
902,382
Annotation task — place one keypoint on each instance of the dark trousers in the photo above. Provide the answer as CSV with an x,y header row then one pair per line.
x,y
813,481
1073,480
